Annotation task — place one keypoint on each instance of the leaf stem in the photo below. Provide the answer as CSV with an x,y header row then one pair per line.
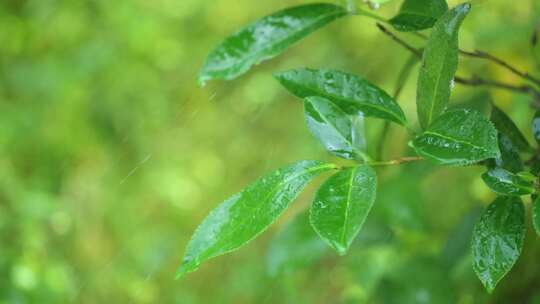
x,y
399,161
362,12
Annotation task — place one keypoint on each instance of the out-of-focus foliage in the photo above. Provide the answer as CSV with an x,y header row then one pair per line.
x,y
110,155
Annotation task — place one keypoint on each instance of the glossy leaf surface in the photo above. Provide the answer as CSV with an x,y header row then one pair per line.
x,y
498,239
439,64
331,126
350,93
507,183
417,15
295,246
536,215
248,213
458,137
342,205
536,126
265,39
509,159
506,126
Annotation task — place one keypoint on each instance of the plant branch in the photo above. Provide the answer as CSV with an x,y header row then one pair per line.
x,y
399,161
475,80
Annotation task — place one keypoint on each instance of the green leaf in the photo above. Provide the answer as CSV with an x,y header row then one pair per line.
x,y
415,15
498,239
342,205
349,92
536,215
295,246
506,126
536,126
458,137
439,64
266,38
509,158
506,183
248,213
332,127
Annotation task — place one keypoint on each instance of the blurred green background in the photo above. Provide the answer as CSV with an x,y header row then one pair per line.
x,y
111,155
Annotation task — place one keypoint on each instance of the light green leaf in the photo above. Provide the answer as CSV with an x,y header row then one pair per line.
x,y
498,239
342,205
266,38
536,215
352,94
439,64
458,137
295,246
415,15
248,213
506,126
332,127
506,183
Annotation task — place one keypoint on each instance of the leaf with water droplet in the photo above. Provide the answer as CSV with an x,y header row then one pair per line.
x,y
439,65
415,15
458,137
507,183
498,239
332,127
248,213
342,205
351,93
536,126
506,126
536,215
266,38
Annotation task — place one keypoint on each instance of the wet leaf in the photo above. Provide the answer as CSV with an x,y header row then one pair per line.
x,y
331,126
536,215
439,64
342,205
351,93
248,213
266,38
507,183
458,137
295,246
506,126
498,239
509,159
536,126
417,15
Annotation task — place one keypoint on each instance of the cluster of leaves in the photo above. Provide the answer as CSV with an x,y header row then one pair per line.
x,y
333,100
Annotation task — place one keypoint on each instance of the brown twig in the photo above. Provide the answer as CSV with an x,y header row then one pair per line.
x,y
475,80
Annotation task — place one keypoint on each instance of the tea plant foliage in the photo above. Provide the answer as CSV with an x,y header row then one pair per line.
x,y
335,104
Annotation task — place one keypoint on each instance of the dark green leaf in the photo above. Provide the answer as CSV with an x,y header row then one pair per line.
x,y
331,126
458,137
498,239
342,205
350,93
265,39
536,215
506,126
295,246
509,158
248,213
417,15
439,64
507,183
536,126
